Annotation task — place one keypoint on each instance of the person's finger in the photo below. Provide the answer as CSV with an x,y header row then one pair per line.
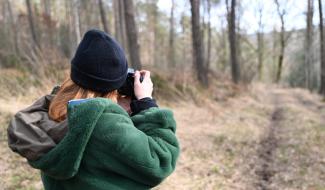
x,y
146,75
142,73
136,77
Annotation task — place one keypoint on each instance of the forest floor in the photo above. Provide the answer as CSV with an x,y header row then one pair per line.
x,y
271,138
268,138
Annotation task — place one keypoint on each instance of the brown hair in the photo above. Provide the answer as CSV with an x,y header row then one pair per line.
x,y
69,91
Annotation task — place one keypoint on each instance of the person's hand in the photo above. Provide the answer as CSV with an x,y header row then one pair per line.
x,y
124,102
142,89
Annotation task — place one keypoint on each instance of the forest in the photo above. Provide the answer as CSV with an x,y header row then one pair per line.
x,y
189,38
245,79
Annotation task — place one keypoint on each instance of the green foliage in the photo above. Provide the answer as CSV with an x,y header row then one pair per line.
x,y
10,61
297,75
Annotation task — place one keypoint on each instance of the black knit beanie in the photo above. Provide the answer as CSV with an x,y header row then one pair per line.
x,y
99,63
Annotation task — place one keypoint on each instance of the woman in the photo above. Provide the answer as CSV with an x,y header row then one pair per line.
x,y
94,144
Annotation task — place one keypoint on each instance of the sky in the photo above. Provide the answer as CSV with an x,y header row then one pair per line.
x,y
295,17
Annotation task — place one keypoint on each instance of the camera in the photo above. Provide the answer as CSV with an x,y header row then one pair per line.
x,y
127,88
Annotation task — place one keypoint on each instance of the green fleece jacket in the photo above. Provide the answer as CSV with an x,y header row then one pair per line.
x,y
105,149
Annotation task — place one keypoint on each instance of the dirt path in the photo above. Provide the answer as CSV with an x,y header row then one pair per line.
x,y
271,142
266,151
297,139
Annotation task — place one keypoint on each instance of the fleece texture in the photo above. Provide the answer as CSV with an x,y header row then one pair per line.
x,y
105,149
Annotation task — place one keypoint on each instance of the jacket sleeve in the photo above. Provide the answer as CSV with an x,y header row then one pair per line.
x,y
145,146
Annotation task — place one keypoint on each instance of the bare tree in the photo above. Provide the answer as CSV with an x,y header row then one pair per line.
x,y
76,19
171,50
32,24
322,49
119,22
308,43
208,58
67,45
281,14
152,16
13,27
103,16
260,41
132,33
48,18
184,22
274,50
222,50
47,8
232,36
198,59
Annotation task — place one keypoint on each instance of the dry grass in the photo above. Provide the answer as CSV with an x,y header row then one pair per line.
x,y
15,174
220,142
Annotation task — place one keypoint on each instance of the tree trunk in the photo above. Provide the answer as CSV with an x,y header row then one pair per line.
x,y
281,55
274,51
13,27
103,16
282,43
223,54
132,33
124,34
235,69
48,17
119,22
260,49
171,51
32,25
198,59
322,49
151,41
71,34
260,44
154,36
47,7
76,19
184,38
208,58
308,44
